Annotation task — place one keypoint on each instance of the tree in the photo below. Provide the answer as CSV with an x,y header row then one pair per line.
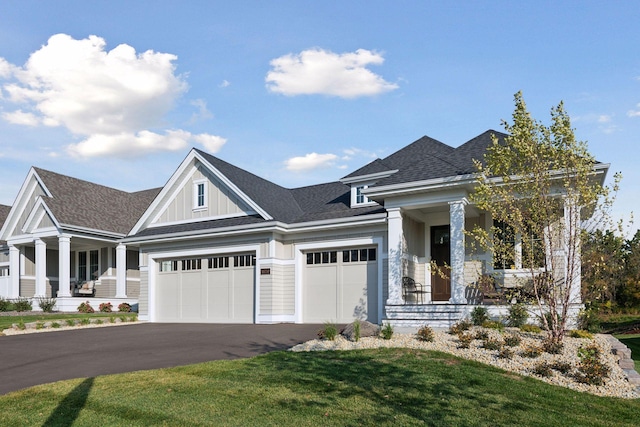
x,y
603,267
535,184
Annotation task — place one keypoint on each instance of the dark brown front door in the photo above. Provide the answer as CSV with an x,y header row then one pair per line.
x,y
441,255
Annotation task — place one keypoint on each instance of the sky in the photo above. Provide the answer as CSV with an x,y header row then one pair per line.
x,y
300,92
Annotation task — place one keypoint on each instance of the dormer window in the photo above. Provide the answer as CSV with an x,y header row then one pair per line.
x,y
200,195
361,198
358,198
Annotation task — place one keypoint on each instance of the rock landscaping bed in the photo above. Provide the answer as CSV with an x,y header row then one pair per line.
x,y
499,348
67,324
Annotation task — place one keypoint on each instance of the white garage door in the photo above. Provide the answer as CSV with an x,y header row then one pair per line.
x,y
340,286
217,289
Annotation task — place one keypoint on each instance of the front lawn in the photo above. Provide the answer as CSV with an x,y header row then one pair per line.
x,y
398,387
8,321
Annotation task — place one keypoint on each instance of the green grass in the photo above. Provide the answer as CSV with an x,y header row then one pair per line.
x,y
615,323
394,387
7,321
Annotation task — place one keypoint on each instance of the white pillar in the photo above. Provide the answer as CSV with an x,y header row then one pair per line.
x,y
41,268
64,266
456,221
121,271
14,271
395,239
573,261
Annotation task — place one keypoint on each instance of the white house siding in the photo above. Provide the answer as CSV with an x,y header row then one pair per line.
x,y
45,222
143,298
277,290
220,201
38,191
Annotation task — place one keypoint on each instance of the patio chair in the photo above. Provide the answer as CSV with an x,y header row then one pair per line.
x,y
412,291
491,293
87,288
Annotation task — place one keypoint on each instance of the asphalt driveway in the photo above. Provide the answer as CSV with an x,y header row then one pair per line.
x,y
32,359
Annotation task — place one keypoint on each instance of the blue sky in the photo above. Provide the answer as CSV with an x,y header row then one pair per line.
x,y
117,92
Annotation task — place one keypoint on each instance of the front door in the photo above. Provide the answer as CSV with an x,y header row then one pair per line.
x,y
441,256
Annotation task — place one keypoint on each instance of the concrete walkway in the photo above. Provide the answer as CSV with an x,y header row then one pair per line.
x,y
32,359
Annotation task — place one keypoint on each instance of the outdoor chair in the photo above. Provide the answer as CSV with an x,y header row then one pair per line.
x,y
491,293
87,289
412,291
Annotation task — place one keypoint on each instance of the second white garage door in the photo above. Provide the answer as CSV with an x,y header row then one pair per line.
x,y
340,286
217,289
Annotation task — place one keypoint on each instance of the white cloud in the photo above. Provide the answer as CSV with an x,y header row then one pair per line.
x,y
19,117
310,161
225,83
317,71
634,113
203,112
113,99
211,143
350,153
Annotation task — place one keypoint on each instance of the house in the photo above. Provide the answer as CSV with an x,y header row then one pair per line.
x,y
219,244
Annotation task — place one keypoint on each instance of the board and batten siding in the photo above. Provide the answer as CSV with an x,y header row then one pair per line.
x,y
37,192
220,201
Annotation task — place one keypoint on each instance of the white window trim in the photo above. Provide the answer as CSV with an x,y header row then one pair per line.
x,y
354,195
196,184
88,251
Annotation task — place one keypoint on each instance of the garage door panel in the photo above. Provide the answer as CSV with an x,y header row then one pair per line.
x,y
320,294
168,295
192,295
354,292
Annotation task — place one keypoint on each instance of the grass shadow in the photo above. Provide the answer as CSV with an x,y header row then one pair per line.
x,y
69,408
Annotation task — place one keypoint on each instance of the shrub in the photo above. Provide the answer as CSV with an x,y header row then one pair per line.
x,y
505,353
579,333
482,334
124,319
425,333
85,307
22,304
124,307
85,321
542,369
387,331
562,367
55,325
512,340
493,324
356,330
46,304
460,326
465,339
517,316
491,344
133,318
5,305
552,347
105,307
549,318
531,352
112,319
99,322
329,332
530,328
591,369
479,315
39,325
588,320
70,322
20,325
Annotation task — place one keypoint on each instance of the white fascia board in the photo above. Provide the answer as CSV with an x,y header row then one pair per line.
x,y
338,223
234,188
369,177
26,190
36,215
418,186
102,235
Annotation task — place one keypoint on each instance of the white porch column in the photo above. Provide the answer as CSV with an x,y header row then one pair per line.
x,y
456,220
41,268
14,271
64,265
573,260
121,271
395,240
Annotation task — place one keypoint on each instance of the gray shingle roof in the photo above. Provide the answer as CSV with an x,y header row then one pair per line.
x,y
84,204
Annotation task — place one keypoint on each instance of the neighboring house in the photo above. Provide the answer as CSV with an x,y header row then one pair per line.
x,y
219,244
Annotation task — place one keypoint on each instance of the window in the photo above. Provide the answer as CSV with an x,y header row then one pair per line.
x,y
166,266
325,257
199,194
516,250
191,264
361,198
88,265
244,260
355,255
219,262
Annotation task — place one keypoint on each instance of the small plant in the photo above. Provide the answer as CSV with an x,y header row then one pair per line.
x,y
482,334
531,352
465,339
328,332
548,316
85,321
542,369
562,367
22,304
105,307
460,326
356,330
71,322
99,322
518,315
588,320
426,334
112,319
493,324
530,328
124,319
39,325
580,333
387,331
512,340
5,305
20,325
591,369
491,344
85,307
552,347
124,307
479,315
133,318
46,304
55,325
505,353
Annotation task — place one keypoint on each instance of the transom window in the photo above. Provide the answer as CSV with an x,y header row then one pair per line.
x,y
356,255
191,264
219,262
324,257
244,260
166,266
